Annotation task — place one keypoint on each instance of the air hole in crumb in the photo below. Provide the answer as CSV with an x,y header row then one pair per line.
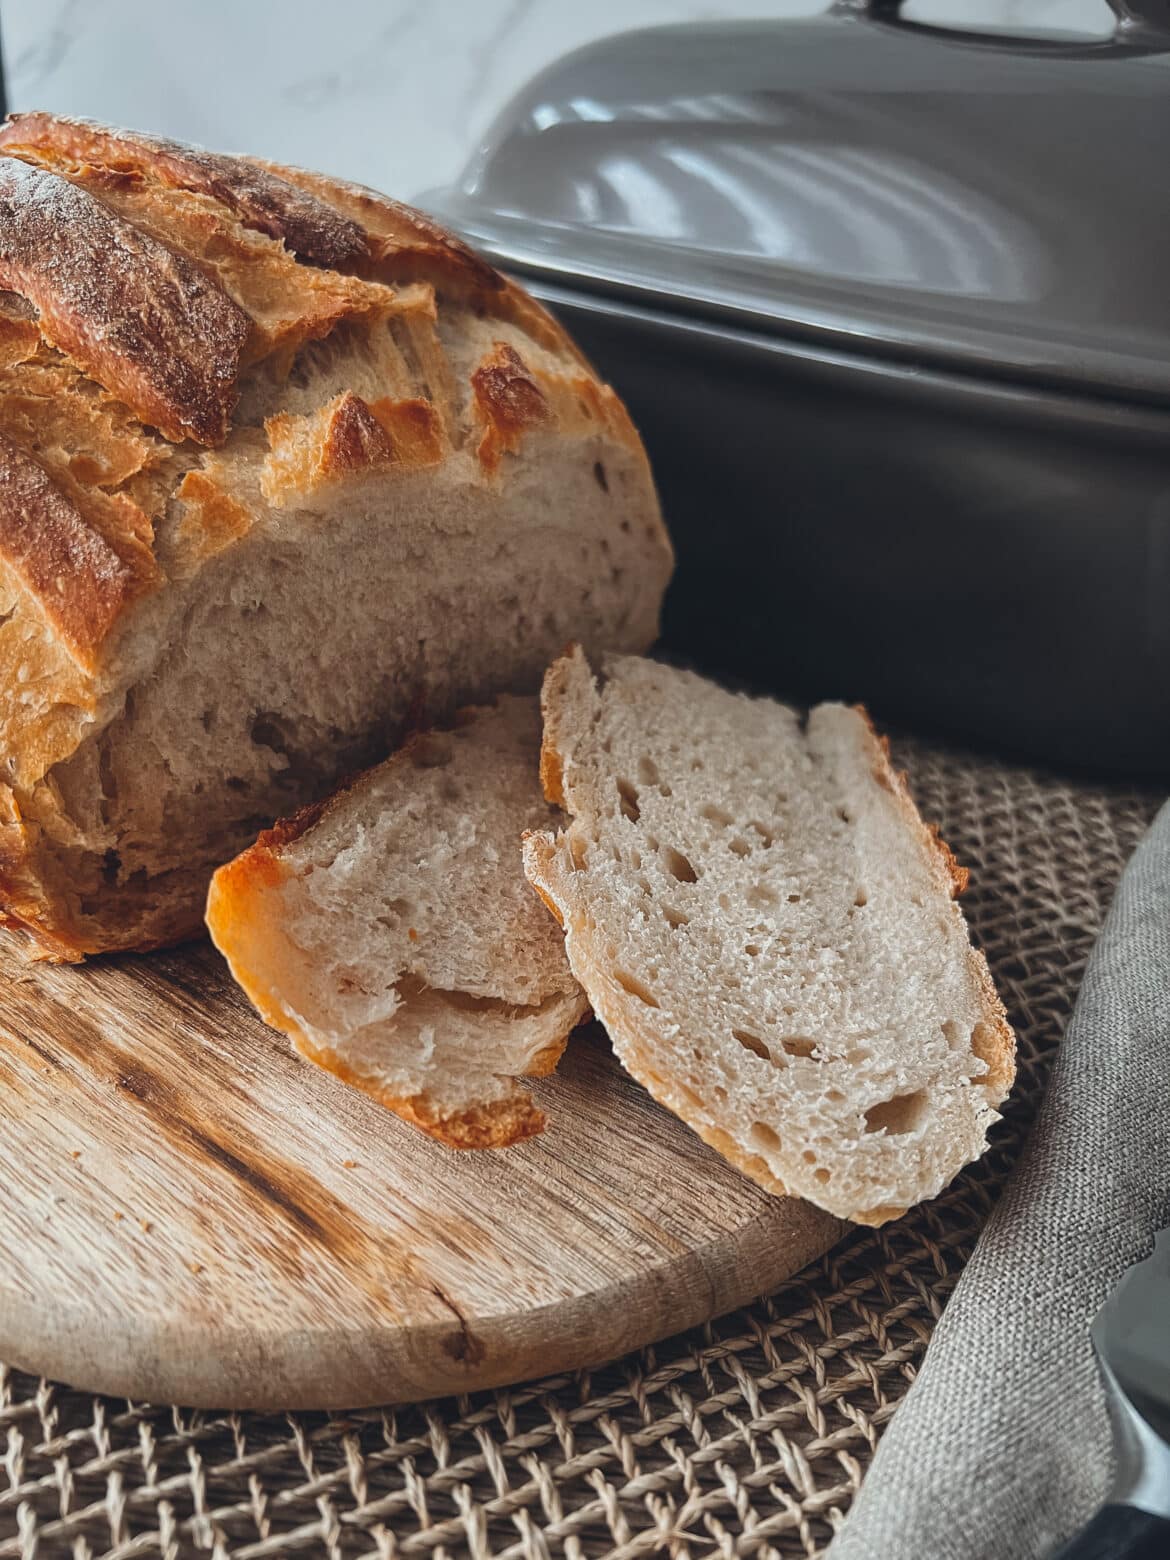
x,y
753,950
952,1033
760,897
716,815
600,477
723,902
635,987
764,832
861,897
794,899
643,884
675,918
111,866
845,815
798,1045
205,720
629,801
897,1116
265,732
647,771
821,1176
430,752
234,783
578,853
678,866
752,1043
720,1094
835,1096
738,846
809,1157
764,1136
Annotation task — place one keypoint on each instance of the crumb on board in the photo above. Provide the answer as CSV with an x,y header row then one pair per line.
x,y
145,1226
196,1267
118,1216
350,1164
75,1153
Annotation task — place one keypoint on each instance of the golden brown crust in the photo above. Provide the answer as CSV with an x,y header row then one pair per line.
x,y
345,438
508,401
76,578
399,240
499,1124
211,520
308,226
137,317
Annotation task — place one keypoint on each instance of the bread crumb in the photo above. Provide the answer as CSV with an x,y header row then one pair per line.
x,y
350,1164
412,934
118,1216
75,1153
196,1267
145,1226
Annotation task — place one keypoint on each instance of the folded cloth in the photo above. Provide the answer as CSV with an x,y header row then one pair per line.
x,y
1002,1446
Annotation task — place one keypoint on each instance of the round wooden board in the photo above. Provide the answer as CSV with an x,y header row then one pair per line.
x,y
192,1214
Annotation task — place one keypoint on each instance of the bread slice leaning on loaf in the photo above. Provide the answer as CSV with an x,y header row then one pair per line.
x,y
391,934
283,467
768,932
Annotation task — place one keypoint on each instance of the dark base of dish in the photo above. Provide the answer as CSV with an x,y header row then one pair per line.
x,y
982,561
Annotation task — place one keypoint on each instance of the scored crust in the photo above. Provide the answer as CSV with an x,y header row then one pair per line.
x,y
166,406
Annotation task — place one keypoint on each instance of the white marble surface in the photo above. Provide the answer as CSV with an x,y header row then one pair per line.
x,y
395,93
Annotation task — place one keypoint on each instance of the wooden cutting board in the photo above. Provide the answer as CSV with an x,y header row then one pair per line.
x,y
192,1214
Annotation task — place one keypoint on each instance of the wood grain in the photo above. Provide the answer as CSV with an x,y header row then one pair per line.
x,y
193,1214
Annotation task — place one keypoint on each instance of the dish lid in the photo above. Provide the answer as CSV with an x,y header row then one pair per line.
x,y
990,200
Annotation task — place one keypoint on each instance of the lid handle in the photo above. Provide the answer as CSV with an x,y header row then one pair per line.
x,y
1142,26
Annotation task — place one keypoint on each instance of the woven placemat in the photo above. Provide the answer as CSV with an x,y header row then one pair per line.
x,y
749,1436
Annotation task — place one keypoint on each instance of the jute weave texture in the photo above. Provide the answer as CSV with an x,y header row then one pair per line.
x,y
747,1437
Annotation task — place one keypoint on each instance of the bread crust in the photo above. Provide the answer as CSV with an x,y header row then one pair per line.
x,y
310,227
165,410
76,577
137,317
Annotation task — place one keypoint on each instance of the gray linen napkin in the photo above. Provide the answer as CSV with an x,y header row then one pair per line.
x,y
1001,1447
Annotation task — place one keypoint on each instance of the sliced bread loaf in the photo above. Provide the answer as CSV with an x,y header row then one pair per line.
x,y
768,931
391,934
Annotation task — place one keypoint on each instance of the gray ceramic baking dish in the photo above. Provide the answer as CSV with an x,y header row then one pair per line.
x,y
891,306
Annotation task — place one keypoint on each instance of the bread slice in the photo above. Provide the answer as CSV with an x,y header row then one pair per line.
x,y
768,931
391,934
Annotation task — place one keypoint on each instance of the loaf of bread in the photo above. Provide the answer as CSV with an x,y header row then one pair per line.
x,y
768,932
282,466
390,931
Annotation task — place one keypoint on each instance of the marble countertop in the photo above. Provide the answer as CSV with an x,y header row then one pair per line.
x,y
394,93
